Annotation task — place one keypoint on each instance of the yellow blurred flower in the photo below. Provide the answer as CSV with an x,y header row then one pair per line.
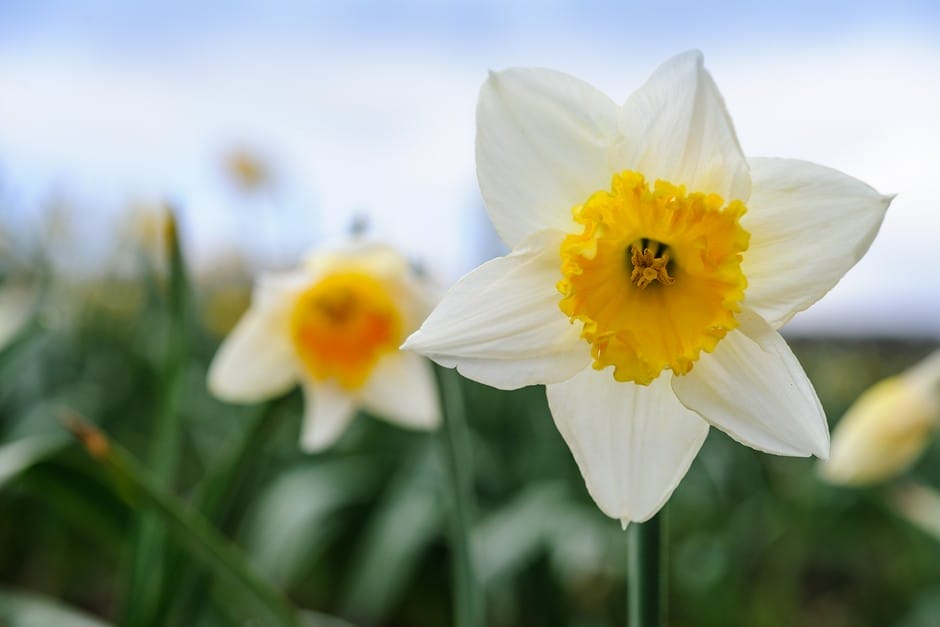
x,y
887,428
334,326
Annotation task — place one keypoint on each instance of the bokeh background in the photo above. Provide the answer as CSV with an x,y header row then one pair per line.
x,y
273,127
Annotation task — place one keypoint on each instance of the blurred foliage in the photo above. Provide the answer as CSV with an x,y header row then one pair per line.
x,y
361,532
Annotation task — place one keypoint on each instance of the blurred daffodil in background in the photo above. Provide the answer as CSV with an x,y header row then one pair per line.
x,y
247,170
888,427
334,326
652,264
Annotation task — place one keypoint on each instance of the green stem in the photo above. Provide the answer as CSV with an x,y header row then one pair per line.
x,y
215,495
646,576
468,601
214,498
164,454
136,486
148,560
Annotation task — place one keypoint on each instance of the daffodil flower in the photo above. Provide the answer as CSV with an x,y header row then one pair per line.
x,y
334,326
887,428
652,264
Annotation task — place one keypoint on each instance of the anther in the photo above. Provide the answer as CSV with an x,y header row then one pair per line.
x,y
647,267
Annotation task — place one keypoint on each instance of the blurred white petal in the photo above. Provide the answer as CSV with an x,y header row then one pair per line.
x,y
328,410
257,360
402,389
373,258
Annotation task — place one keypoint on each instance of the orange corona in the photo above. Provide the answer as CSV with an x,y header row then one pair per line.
x,y
342,325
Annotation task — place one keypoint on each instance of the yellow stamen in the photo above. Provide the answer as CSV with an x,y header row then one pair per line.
x,y
342,325
648,268
688,243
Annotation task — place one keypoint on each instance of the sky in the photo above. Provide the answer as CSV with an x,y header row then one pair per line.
x,y
367,108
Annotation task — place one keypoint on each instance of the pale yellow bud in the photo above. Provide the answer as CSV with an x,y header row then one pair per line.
x,y
887,428
919,504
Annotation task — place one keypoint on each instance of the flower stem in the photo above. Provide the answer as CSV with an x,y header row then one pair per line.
x,y
468,601
646,577
214,498
148,561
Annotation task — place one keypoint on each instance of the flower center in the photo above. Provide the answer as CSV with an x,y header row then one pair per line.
x,y
654,276
647,267
342,325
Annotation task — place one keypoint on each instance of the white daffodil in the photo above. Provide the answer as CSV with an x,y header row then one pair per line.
x,y
887,428
334,326
652,264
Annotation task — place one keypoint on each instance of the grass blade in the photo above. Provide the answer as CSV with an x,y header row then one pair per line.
x,y
19,455
149,557
139,488
25,609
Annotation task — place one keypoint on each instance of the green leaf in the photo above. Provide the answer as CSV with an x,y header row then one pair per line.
x,y
140,489
149,560
406,521
510,538
295,517
19,455
25,609
317,619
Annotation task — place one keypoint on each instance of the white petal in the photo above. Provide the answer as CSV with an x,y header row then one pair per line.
x,y
676,128
402,390
542,147
501,325
753,388
328,410
633,443
256,361
374,258
809,224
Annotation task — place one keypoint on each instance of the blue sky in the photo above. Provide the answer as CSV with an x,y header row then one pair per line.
x,y
368,107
